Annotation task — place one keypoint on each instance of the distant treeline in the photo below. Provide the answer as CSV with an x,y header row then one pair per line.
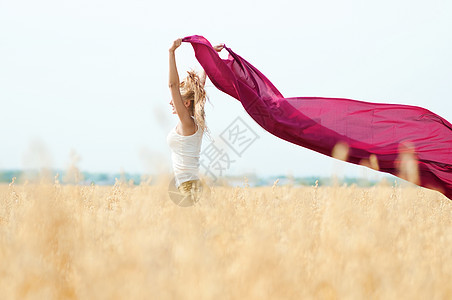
x,y
87,178
84,178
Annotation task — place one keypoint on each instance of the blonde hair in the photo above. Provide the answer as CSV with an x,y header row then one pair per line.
x,y
193,89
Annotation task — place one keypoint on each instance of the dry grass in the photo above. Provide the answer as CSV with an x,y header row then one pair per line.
x,y
132,242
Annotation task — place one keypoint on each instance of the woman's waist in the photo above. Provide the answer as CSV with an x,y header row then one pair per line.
x,y
185,161
186,165
185,155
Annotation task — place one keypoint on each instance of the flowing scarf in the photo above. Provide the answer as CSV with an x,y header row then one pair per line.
x,y
407,141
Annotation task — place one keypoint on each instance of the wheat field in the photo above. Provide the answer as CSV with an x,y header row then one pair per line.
x,y
282,242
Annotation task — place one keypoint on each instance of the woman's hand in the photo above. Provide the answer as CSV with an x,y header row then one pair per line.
x,y
175,45
218,47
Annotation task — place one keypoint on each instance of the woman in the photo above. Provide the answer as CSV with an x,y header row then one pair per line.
x,y
188,99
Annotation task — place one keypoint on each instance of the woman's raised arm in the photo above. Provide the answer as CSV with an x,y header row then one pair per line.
x,y
173,84
203,78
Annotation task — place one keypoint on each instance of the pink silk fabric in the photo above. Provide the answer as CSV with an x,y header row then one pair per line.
x,y
407,141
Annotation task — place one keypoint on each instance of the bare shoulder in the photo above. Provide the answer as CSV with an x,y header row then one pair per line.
x,y
186,128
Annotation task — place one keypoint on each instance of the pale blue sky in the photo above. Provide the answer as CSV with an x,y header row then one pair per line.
x,y
91,76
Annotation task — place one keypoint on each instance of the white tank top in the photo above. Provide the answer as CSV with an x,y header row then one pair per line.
x,y
185,152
